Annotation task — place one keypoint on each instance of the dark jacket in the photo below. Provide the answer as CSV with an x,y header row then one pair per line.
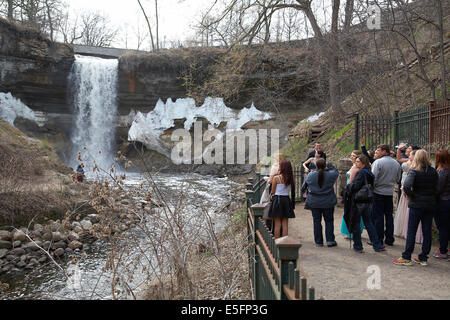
x,y
444,184
353,210
422,188
312,154
364,151
324,197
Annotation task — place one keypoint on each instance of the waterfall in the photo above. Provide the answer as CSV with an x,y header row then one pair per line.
x,y
93,83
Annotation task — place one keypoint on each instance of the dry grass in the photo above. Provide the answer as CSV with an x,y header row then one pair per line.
x,y
33,181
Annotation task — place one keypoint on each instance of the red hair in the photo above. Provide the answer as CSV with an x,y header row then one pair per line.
x,y
286,173
442,160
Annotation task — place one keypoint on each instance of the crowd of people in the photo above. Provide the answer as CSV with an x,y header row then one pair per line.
x,y
424,194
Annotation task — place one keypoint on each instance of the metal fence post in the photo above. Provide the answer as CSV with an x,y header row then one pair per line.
x,y
288,252
356,131
396,132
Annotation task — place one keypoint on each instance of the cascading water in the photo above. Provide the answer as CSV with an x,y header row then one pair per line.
x,y
94,99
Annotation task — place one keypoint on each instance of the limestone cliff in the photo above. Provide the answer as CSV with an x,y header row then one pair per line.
x,y
33,68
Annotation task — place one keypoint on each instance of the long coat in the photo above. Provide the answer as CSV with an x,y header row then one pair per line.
x,y
352,210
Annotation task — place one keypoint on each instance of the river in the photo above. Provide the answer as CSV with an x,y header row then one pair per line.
x,y
87,278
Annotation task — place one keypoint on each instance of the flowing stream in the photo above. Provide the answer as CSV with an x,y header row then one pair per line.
x,y
87,279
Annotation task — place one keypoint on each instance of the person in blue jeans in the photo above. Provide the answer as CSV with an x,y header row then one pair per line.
x,y
387,172
361,209
321,200
421,186
442,216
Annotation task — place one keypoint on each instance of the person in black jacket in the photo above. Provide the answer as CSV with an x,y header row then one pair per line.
x,y
421,186
442,215
312,154
361,209
365,152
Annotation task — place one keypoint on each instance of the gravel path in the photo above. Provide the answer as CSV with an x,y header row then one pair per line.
x,y
339,273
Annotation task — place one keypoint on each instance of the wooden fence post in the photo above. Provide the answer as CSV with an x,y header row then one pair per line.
x,y
257,211
288,252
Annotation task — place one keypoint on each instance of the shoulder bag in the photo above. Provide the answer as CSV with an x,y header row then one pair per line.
x,y
365,194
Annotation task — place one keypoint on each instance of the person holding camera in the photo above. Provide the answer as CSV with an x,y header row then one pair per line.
x,y
321,200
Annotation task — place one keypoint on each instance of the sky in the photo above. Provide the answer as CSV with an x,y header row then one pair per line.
x,y
175,17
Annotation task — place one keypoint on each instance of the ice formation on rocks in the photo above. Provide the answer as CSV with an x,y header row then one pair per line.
x,y
11,108
148,128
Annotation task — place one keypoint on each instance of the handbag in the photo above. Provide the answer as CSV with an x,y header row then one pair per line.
x,y
365,194
267,209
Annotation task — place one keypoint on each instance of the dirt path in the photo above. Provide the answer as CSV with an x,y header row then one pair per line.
x,y
340,273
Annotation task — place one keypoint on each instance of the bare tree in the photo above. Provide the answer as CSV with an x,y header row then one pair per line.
x,y
148,25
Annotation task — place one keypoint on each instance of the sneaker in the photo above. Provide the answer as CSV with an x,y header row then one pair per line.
x,y
318,245
423,263
358,251
439,255
331,244
390,244
381,249
403,262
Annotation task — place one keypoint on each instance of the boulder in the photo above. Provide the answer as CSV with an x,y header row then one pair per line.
x,y
18,252
57,236
21,264
73,237
36,234
75,245
59,244
76,224
86,225
19,235
78,230
94,218
47,236
38,227
3,253
5,235
59,252
17,244
5,244
32,246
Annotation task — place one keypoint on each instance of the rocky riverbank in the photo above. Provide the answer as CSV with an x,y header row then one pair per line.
x,y
25,249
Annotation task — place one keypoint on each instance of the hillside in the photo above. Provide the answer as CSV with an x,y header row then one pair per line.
x,y
384,94
35,184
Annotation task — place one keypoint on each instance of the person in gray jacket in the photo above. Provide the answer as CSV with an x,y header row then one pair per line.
x,y
387,172
321,200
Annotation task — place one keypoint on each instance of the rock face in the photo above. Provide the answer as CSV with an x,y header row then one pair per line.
x,y
34,69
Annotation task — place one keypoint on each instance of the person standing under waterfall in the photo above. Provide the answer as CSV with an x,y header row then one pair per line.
x,y
282,205
80,173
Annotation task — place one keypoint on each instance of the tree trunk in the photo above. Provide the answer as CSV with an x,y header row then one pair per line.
x,y
157,25
442,53
148,24
10,10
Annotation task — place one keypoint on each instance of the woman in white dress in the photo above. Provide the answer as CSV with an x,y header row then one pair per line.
x,y
402,214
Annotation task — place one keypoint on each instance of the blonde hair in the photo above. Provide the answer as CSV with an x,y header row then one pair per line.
x,y
421,160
